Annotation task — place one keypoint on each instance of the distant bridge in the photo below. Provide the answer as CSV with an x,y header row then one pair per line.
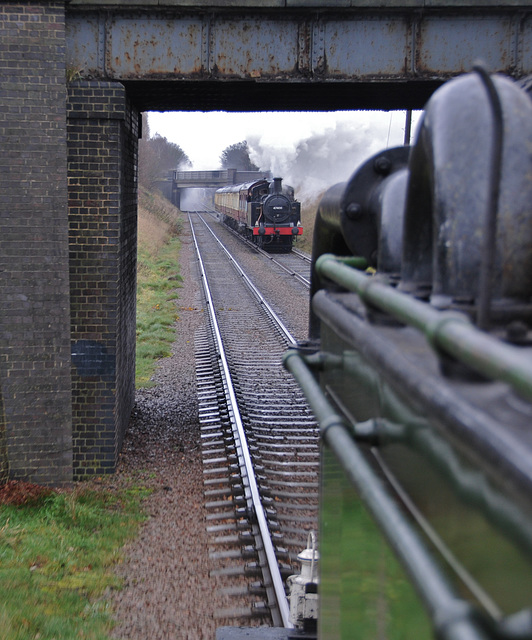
x,y
209,180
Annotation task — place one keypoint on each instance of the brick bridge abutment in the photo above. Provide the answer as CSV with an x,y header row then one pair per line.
x,y
68,224
102,133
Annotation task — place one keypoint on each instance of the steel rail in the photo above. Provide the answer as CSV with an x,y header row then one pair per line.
x,y
281,616
269,256
277,321
296,275
302,255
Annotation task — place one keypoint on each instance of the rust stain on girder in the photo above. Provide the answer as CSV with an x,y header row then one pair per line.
x,y
452,47
159,48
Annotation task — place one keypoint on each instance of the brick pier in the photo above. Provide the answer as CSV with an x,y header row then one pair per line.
x,y
102,132
35,377
68,213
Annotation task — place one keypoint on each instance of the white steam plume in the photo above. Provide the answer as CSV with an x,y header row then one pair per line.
x,y
320,160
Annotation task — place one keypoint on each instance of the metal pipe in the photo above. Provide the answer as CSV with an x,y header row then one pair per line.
x,y
453,618
492,203
484,438
403,425
470,485
446,330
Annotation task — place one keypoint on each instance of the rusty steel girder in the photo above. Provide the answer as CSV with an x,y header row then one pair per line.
x,y
400,42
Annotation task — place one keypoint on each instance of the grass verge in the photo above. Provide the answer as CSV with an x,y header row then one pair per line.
x,y
57,551
157,280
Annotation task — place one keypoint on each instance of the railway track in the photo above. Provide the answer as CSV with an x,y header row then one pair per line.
x,y
259,441
296,263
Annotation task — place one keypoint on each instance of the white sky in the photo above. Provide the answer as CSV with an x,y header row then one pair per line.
x,y
311,150
204,135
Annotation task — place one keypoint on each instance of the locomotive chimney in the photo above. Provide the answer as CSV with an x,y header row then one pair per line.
x,y
276,185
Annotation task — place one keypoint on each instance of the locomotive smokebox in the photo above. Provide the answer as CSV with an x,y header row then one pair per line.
x,y
276,186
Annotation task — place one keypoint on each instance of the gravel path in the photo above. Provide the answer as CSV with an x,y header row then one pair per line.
x,y
168,592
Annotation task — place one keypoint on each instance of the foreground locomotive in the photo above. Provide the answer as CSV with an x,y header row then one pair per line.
x,y
262,211
419,370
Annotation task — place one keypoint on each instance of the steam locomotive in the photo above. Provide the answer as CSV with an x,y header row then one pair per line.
x,y
419,370
263,211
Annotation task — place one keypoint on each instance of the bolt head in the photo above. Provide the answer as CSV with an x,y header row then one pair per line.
x,y
353,211
382,165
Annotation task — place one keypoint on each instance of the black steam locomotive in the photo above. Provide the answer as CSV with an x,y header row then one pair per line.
x,y
263,211
419,369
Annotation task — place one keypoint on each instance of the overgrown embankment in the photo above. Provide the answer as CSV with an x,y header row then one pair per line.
x,y
309,208
157,280
58,550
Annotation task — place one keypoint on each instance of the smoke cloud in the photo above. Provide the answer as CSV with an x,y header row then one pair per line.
x,y
320,160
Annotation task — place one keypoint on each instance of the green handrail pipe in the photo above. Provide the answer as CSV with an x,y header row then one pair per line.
x,y
447,331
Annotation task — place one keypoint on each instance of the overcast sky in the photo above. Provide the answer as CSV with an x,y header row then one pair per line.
x,y
311,150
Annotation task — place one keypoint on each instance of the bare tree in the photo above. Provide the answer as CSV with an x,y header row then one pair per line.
x,y
158,156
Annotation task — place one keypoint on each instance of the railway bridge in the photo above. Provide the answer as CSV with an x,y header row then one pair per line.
x,y
181,180
76,74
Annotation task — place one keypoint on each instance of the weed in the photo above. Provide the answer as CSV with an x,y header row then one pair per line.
x,y
73,74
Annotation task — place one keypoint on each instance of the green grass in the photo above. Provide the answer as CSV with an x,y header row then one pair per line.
x,y
58,551
157,280
56,559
